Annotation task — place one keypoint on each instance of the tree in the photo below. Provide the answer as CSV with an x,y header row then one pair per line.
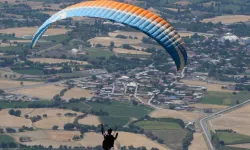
x,y
69,126
111,46
18,113
45,116
171,106
26,116
12,112
55,127
21,83
237,102
94,77
1,92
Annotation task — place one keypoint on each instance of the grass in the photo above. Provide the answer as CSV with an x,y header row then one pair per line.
x,y
114,121
81,106
6,139
99,52
57,38
29,71
220,98
158,125
11,48
120,109
233,138
6,104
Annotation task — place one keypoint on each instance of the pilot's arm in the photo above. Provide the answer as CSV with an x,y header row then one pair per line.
x,y
116,136
102,128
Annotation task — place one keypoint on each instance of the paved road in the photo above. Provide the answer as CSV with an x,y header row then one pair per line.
x,y
203,121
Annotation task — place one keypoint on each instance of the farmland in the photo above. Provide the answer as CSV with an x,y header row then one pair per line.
x,y
157,125
165,130
90,120
20,32
114,121
233,138
209,86
198,142
29,71
184,115
98,52
48,91
228,19
55,61
125,51
5,84
219,98
235,120
77,93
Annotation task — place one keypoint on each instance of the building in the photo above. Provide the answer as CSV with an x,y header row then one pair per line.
x,y
230,37
25,139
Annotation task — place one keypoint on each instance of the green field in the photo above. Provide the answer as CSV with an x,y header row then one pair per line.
x,y
220,98
6,139
5,104
8,37
99,52
158,125
119,109
114,121
233,148
172,138
29,71
12,48
233,138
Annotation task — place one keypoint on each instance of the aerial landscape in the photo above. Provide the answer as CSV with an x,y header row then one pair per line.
x,y
167,75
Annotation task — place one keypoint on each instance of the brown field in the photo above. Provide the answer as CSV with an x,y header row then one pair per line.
x,y
184,115
90,120
139,35
235,120
118,42
175,10
247,145
125,51
6,45
49,137
228,19
183,2
20,32
205,106
209,86
12,121
53,119
5,84
198,142
55,61
77,93
44,92
124,139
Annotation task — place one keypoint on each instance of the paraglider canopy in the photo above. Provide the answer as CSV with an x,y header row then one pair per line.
x,y
133,16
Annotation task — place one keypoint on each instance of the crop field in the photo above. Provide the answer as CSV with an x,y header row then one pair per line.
x,y
228,19
6,139
234,148
90,120
220,98
29,71
46,92
78,93
122,109
124,139
114,121
6,104
233,138
125,51
20,32
5,84
198,142
157,125
138,35
13,121
206,106
235,120
184,115
172,138
99,52
55,60
209,86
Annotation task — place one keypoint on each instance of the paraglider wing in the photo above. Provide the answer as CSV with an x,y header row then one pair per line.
x,y
136,17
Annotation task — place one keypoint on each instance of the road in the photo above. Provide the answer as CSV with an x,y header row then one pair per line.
x,y
203,121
